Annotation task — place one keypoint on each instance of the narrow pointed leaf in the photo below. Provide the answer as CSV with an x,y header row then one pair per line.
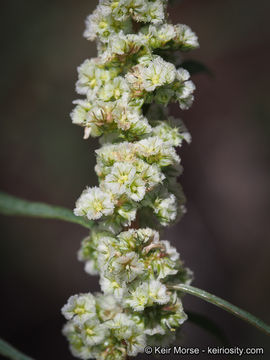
x,y
225,305
10,352
13,206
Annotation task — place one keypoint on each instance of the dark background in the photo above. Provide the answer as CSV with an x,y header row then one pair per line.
x,y
225,235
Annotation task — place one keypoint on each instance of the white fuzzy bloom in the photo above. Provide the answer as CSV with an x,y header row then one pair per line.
x,y
79,113
158,292
121,176
114,90
121,325
146,294
166,209
106,249
186,37
107,306
150,146
165,32
157,73
136,189
138,298
94,203
136,342
182,75
80,308
154,12
156,151
127,267
116,8
170,250
77,346
90,268
100,23
113,287
135,8
93,333
152,175
87,77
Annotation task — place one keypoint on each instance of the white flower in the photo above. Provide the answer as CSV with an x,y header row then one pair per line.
x,y
185,37
123,45
121,176
135,8
112,287
88,77
127,267
93,333
158,36
116,8
114,90
121,325
153,175
172,131
157,152
136,342
138,298
182,75
106,249
170,250
90,267
158,292
100,23
136,189
79,113
94,203
80,307
153,12
146,294
165,32
150,146
174,318
157,73
107,306
77,346
166,209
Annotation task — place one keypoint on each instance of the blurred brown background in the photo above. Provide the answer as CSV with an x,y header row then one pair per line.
x,y
225,235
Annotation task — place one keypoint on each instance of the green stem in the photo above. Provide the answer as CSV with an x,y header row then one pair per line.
x,y
10,352
225,305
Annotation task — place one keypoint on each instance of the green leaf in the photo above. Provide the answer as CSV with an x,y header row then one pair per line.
x,y
10,352
225,305
196,67
207,324
13,206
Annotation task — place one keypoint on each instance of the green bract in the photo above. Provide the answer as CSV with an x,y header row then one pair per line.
x,y
126,90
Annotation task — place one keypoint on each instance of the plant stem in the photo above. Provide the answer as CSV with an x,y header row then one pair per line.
x,y
225,305
10,352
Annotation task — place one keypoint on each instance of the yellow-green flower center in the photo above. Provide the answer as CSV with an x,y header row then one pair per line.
x,y
79,310
89,332
155,79
98,206
122,179
103,25
114,4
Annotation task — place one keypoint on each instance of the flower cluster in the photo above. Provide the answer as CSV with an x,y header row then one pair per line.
x,y
126,90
